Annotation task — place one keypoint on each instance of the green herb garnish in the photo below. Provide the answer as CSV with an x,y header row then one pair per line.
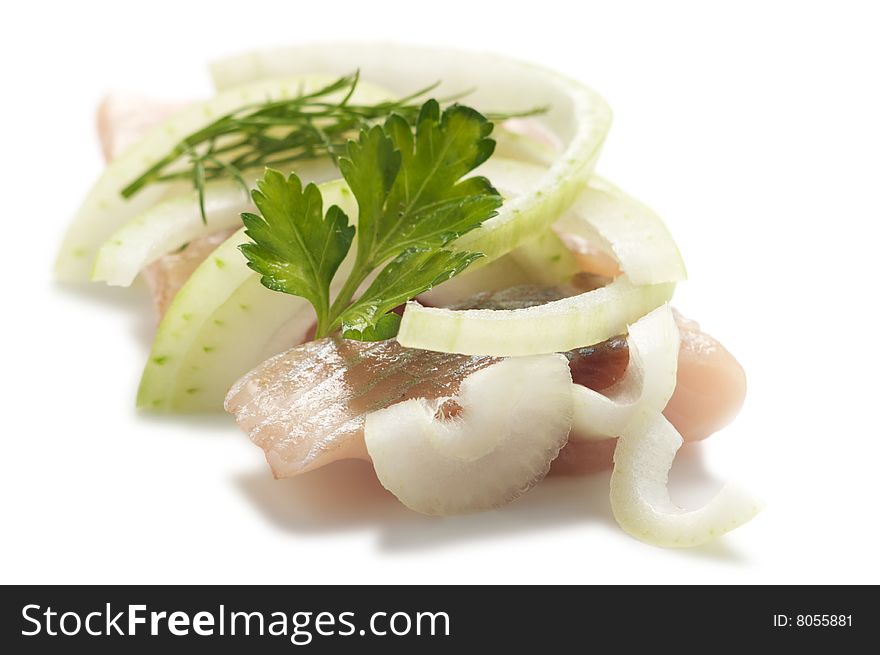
x,y
412,202
278,133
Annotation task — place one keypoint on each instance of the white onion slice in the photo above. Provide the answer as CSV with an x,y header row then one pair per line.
x,y
646,386
557,326
164,228
640,499
223,322
648,444
515,417
577,116
545,259
635,235
173,223
525,139
607,217
503,273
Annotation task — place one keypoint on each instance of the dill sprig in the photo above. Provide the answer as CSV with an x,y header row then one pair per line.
x,y
279,133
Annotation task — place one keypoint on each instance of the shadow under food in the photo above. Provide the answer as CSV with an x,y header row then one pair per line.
x,y
342,496
133,302
347,496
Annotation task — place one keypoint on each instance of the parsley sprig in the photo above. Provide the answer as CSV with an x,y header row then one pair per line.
x,y
413,200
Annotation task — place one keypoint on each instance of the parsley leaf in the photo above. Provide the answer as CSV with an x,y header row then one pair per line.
x,y
412,201
296,248
407,275
407,187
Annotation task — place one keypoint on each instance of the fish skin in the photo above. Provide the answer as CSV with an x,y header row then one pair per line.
x,y
306,407
286,403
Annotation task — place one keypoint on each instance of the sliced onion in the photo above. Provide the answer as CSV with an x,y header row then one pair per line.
x,y
164,228
646,386
637,237
648,443
514,419
525,139
104,209
503,273
546,259
222,323
557,326
173,223
607,217
577,116
640,498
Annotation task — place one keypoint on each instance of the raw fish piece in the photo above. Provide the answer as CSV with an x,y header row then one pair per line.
x,y
124,118
305,407
710,390
710,387
170,272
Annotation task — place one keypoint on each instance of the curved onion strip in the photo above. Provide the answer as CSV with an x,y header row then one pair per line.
x,y
557,326
648,444
647,385
545,259
104,209
606,216
503,273
523,139
577,116
171,224
635,235
640,499
515,417
164,228
222,323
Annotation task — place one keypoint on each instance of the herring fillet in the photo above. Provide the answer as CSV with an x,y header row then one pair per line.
x,y
169,273
306,407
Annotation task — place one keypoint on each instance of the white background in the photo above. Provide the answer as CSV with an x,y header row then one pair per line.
x,y
752,128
